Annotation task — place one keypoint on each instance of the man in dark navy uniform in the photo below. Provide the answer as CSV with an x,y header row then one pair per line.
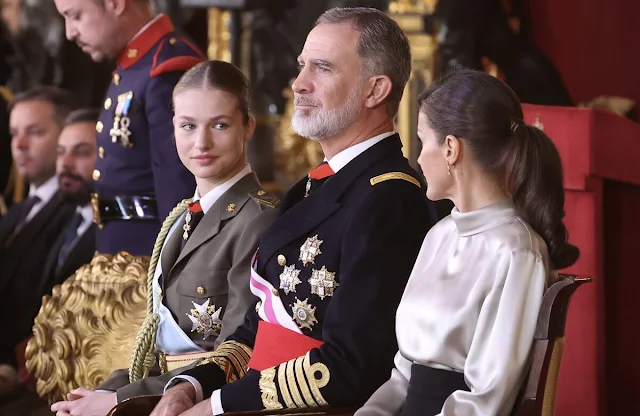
x,y
330,272
139,177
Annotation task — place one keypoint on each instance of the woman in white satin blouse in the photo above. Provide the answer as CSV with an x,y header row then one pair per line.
x,y
466,321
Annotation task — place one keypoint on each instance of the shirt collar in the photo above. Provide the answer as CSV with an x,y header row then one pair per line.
x,y
86,212
341,160
144,40
207,201
45,191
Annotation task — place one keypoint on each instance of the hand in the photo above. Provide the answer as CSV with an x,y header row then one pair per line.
x,y
201,409
84,402
176,400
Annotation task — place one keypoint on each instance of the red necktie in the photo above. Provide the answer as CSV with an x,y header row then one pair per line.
x,y
323,171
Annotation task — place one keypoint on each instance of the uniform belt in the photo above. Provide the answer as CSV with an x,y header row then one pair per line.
x,y
276,345
174,361
123,207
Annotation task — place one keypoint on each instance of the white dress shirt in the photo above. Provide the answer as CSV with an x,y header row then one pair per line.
x,y
471,306
45,192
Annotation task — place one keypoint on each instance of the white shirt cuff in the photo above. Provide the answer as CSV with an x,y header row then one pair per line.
x,y
196,385
216,403
109,391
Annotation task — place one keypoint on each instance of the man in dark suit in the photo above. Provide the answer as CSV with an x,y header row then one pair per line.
x,y
30,228
139,177
76,161
330,271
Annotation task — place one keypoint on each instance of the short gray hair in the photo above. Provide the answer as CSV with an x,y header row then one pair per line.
x,y
382,46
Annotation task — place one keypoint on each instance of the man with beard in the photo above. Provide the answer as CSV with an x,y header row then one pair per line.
x,y
139,177
30,228
76,162
330,271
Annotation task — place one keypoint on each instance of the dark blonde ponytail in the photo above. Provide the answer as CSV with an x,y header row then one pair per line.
x,y
486,114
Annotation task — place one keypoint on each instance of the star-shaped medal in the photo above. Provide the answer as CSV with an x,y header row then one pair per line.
x,y
310,249
205,319
304,314
289,279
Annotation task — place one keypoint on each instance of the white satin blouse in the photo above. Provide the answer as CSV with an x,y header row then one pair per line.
x,y
471,305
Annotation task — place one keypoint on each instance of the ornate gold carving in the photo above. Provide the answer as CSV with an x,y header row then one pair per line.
x,y
86,329
269,392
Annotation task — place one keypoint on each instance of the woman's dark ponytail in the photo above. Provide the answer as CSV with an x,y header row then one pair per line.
x,y
486,114
533,176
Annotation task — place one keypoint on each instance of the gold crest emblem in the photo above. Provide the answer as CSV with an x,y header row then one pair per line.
x,y
323,282
289,279
310,249
304,314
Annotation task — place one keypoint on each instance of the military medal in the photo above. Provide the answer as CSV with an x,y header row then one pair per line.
x,y
205,319
304,314
121,120
323,282
289,279
186,227
310,249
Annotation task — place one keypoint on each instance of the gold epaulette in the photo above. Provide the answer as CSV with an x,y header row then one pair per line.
x,y
394,175
265,198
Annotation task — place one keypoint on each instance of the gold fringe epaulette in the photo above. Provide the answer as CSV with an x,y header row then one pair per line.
x,y
394,175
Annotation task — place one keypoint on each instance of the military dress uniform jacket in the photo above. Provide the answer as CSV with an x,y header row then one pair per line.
x,y
213,269
334,264
136,150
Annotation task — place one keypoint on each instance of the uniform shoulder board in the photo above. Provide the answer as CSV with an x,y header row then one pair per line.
x,y
394,175
265,199
175,54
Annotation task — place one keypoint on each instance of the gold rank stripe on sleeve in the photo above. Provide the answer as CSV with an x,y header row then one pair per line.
x,y
268,390
233,358
297,383
394,175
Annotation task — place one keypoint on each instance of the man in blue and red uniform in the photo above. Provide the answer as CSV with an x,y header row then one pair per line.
x,y
139,177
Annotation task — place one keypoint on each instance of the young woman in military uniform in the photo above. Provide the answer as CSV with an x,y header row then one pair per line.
x,y
200,268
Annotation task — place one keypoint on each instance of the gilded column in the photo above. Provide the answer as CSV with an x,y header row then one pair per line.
x,y
409,14
219,34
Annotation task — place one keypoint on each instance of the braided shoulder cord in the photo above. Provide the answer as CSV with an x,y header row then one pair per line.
x,y
143,357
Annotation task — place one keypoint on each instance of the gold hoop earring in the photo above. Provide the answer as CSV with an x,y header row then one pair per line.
x,y
448,169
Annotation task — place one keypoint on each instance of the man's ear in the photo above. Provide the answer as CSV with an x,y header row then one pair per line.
x,y
379,88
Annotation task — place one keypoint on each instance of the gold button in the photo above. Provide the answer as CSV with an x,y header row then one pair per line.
x,y
132,53
99,126
107,103
275,292
96,175
101,152
282,260
231,207
172,41
116,79
200,290
262,192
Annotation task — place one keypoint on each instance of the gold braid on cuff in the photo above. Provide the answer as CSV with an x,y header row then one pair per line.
x,y
233,358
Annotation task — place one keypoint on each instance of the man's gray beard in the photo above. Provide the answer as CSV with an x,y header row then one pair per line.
x,y
325,124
